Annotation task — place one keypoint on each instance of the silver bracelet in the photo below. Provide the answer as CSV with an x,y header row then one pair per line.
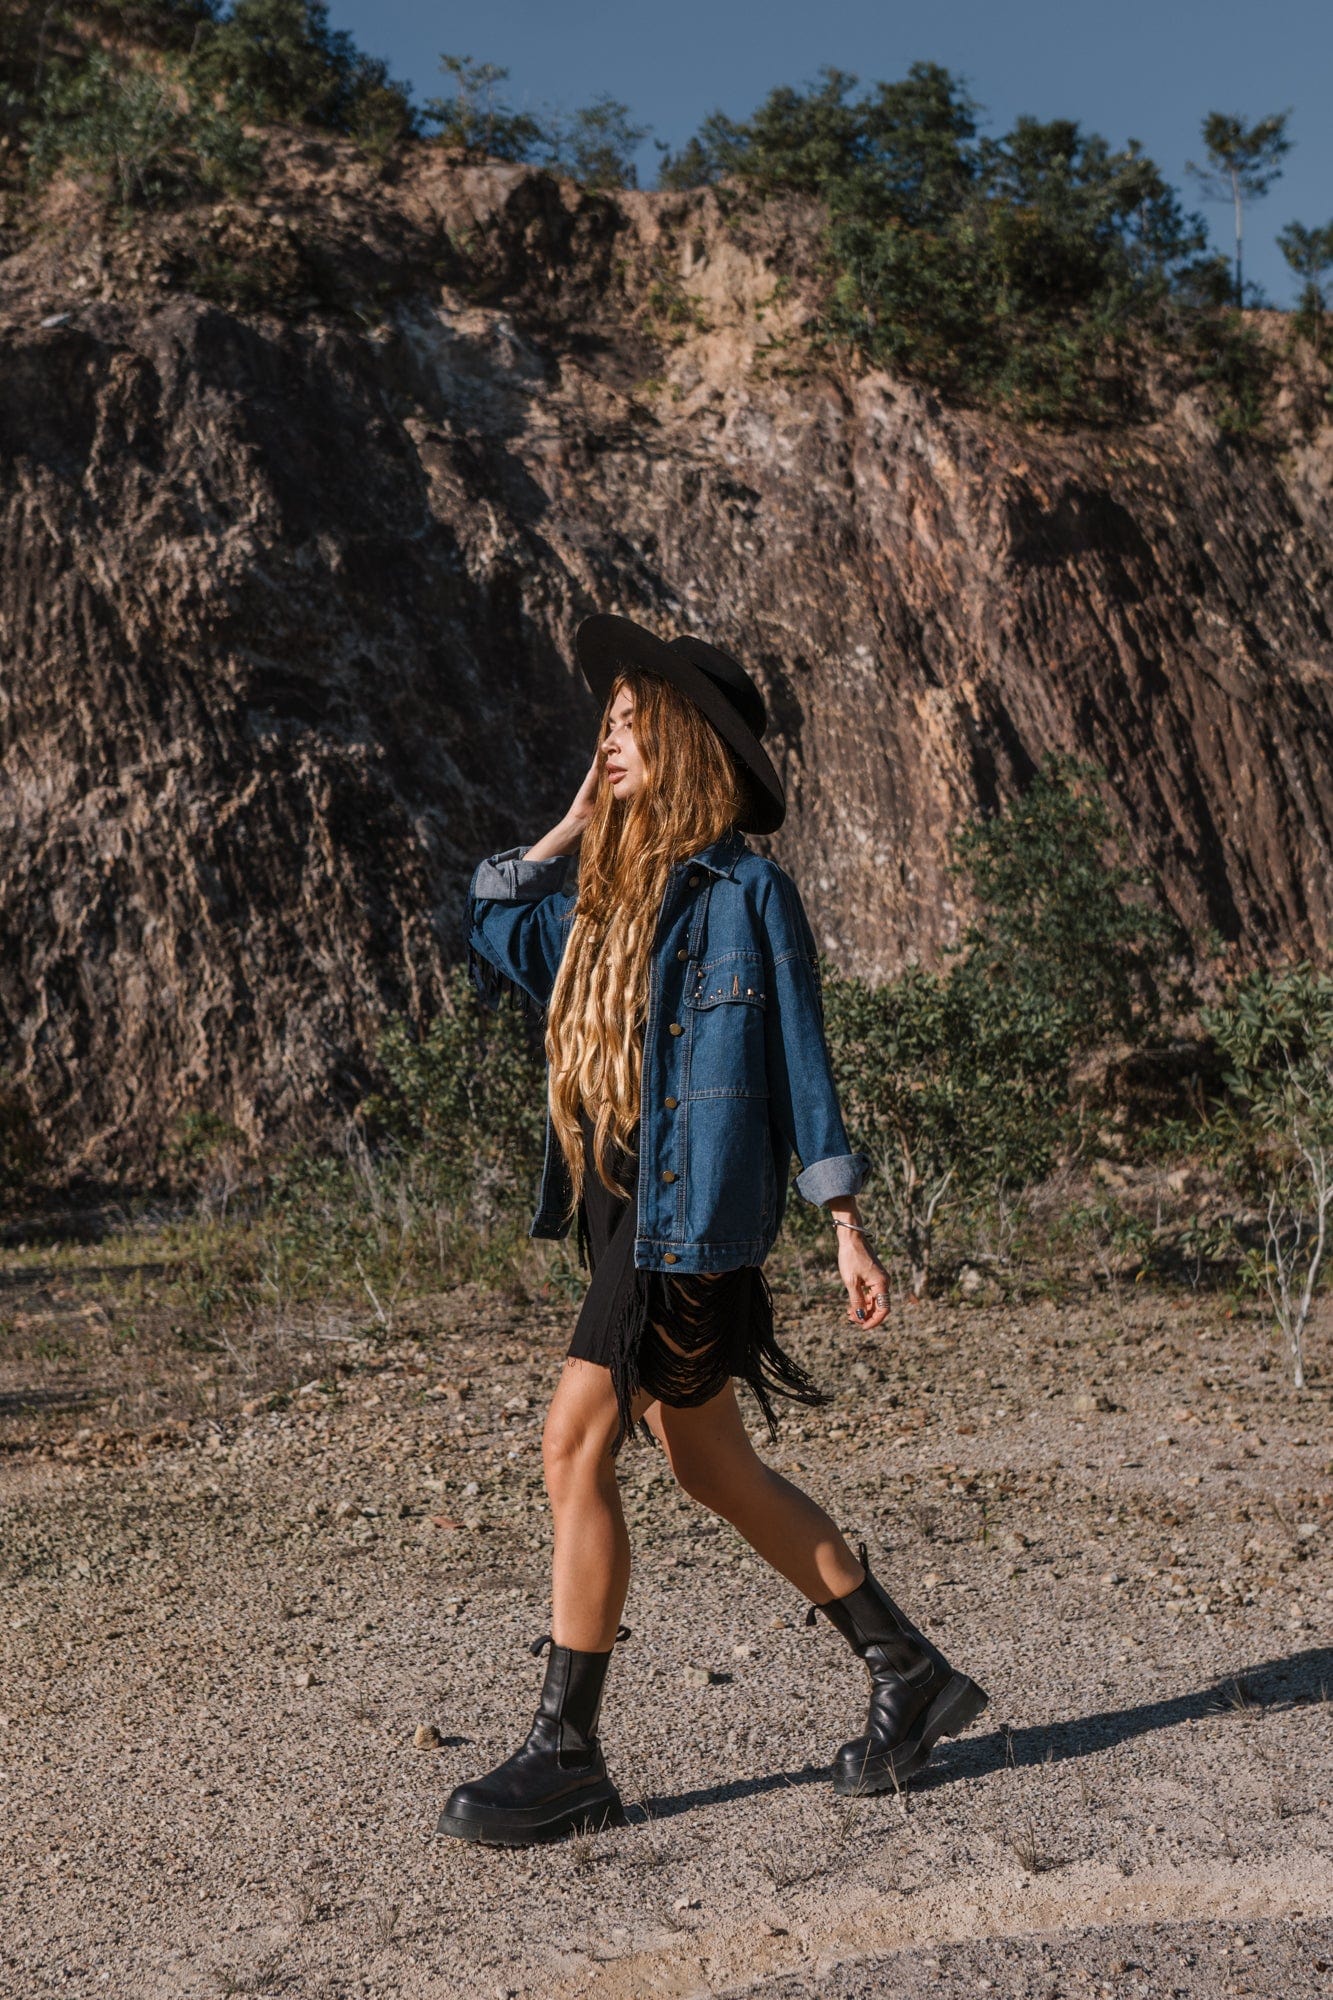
x,y
840,1224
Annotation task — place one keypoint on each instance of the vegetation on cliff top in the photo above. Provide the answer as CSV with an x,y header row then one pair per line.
x,y
1029,272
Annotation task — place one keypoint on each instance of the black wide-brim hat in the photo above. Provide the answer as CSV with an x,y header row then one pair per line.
x,y
716,683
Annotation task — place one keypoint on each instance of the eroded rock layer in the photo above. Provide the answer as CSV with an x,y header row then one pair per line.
x,y
287,600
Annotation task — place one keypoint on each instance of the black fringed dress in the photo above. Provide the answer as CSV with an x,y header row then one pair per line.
x,y
679,1336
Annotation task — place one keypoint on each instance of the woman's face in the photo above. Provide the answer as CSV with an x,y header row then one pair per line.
x,y
620,757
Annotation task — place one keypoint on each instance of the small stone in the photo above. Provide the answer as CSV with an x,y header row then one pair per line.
x,y
427,1737
697,1677
743,1652
970,1280
303,1678
683,1903
471,1487
930,1579
345,1509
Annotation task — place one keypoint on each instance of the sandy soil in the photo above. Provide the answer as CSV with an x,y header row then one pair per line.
x,y
226,1615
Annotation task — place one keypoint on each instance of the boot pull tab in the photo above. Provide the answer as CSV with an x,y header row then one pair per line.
x,y
812,1614
537,1644
622,1632
863,1558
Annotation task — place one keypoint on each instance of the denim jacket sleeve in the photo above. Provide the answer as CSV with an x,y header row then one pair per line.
x,y
514,924
802,1093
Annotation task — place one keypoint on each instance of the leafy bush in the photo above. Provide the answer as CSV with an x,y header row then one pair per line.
x,y
467,1095
1023,271
596,145
958,1083
141,131
273,60
475,121
946,1097
1065,920
1276,1132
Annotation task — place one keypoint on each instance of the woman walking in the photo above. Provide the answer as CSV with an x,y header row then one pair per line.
x,y
686,1063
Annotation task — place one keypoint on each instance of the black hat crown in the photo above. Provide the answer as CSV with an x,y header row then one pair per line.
x,y
727,674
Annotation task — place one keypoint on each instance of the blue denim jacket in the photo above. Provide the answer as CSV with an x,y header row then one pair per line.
x,y
736,1074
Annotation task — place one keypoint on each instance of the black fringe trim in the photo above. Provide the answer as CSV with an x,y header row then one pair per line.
x,y
493,987
626,1336
641,1359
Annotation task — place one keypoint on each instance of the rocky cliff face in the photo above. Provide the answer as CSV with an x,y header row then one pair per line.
x,y
287,599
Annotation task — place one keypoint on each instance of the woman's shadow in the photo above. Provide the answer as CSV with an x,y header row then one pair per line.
x,y
1299,1680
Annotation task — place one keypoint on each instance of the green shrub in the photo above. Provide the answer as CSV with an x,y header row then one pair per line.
x,y
279,60
957,1083
1275,1132
1025,272
1065,921
140,131
467,1096
948,1098
475,121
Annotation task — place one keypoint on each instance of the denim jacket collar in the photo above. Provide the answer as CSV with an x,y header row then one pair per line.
x,y
720,855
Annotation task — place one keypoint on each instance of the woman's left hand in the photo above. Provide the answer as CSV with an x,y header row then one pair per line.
x,y
866,1280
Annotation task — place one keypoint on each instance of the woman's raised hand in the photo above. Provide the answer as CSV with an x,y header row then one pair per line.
x,y
563,839
586,797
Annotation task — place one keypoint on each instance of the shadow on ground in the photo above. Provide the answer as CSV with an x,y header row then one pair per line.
x,y
1299,1679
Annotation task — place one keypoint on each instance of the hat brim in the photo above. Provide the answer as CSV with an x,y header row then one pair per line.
x,y
606,645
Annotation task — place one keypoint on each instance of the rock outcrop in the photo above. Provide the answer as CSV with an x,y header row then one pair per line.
x,y
287,599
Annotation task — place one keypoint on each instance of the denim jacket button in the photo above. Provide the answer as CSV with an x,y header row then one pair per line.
x,y
670,1103
667,1174
694,881
668,1257
676,1029
683,952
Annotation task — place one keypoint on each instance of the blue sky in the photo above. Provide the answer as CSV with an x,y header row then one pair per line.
x,y
1147,69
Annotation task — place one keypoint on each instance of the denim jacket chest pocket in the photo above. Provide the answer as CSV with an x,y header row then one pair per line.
x,y
727,999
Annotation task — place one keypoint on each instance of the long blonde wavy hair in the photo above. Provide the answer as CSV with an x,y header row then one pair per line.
x,y
692,791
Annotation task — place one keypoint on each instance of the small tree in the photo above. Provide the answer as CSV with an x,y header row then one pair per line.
x,y
1276,1030
475,120
280,59
1309,252
1243,162
596,147
1064,915
145,133
948,1097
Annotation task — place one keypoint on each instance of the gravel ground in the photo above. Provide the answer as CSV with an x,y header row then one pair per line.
x,y
226,1619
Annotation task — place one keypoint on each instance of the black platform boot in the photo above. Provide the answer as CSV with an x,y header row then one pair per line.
x,y
915,1695
557,1781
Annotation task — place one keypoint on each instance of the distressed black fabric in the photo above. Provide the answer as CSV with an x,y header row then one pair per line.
x,y
679,1336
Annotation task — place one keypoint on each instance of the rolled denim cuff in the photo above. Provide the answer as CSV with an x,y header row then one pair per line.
x,y
507,878
840,1173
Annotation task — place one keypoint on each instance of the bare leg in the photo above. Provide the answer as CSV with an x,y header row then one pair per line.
x,y
590,1569
712,1457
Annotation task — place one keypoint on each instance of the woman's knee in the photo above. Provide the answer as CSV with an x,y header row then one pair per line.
x,y
576,1443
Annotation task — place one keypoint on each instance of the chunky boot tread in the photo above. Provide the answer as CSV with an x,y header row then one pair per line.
x,y
955,1707
510,1826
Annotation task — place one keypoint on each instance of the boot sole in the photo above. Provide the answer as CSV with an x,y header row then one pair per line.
x,y
957,1705
524,1828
